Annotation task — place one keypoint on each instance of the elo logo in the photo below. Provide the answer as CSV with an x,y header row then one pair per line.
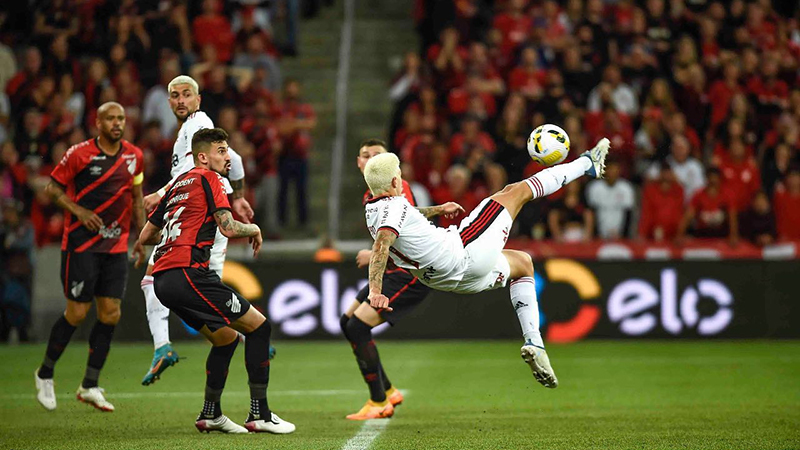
x,y
630,300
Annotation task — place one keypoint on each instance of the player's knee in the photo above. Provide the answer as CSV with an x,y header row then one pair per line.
x,y
109,316
357,330
523,264
75,318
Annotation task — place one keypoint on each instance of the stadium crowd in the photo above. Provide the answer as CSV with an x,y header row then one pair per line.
x,y
700,98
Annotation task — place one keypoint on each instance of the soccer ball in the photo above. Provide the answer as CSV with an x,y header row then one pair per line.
x,y
548,144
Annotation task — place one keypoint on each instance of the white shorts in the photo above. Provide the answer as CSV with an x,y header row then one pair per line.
x,y
484,234
217,258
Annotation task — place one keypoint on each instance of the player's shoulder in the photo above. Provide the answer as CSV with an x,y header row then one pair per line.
x,y
199,119
210,175
80,148
129,147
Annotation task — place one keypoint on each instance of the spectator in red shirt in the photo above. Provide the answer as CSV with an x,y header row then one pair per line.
x,y
528,78
740,175
757,224
20,85
213,28
297,121
722,91
514,25
470,136
787,206
456,188
448,59
662,207
712,212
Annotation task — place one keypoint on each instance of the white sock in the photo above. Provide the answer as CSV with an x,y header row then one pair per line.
x,y
553,178
523,299
157,314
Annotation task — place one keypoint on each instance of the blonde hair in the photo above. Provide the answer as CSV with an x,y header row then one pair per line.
x,y
380,171
184,79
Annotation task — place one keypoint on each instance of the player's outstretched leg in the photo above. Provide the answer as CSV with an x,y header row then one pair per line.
x,y
383,396
224,341
257,330
590,163
523,299
158,320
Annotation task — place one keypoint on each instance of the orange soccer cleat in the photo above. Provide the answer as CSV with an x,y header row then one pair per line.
x,y
373,410
394,396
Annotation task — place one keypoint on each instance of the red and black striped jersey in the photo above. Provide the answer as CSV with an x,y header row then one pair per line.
x,y
406,193
101,183
185,216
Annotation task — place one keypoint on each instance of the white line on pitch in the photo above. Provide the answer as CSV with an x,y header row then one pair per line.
x,y
199,393
369,432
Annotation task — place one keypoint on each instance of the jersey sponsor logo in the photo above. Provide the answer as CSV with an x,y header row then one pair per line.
x,y
234,304
99,158
112,231
178,198
77,288
95,170
183,183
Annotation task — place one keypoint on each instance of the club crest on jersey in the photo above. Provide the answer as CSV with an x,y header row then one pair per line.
x,y
131,165
77,288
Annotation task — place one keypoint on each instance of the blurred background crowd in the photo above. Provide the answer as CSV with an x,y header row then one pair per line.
x,y
700,99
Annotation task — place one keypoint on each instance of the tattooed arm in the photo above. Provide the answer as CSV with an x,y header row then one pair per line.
x,y
449,210
377,266
231,228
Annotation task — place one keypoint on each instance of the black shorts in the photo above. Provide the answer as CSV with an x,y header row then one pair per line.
x,y
404,290
85,275
199,297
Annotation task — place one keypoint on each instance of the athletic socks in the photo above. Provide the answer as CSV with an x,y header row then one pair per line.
x,y
360,337
157,314
523,299
60,335
256,359
217,364
553,178
99,345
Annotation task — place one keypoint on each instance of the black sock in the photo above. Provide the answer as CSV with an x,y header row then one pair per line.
x,y
360,336
343,324
99,345
217,364
60,335
256,359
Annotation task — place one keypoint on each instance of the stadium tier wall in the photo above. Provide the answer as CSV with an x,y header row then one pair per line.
x,y
578,300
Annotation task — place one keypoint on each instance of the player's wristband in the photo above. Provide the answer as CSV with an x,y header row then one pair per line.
x,y
161,192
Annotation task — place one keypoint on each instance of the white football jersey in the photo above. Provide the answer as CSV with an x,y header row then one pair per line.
x,y
182,160
434,255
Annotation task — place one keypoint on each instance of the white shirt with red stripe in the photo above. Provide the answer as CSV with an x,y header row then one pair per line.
x,y
182,160
435,255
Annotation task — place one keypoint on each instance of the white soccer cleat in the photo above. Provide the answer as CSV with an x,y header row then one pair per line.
x,y
274,425
221,424
597,156
45,392
540,365
94,396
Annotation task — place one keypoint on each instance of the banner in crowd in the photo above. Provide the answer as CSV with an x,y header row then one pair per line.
x,y
578,300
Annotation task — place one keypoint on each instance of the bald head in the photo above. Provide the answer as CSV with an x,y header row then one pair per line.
x,y
110,121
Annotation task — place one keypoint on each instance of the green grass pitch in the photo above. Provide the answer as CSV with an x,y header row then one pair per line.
x,y
460,395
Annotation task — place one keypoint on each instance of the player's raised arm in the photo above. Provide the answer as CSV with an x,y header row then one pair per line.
x,y
377,266
449,210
